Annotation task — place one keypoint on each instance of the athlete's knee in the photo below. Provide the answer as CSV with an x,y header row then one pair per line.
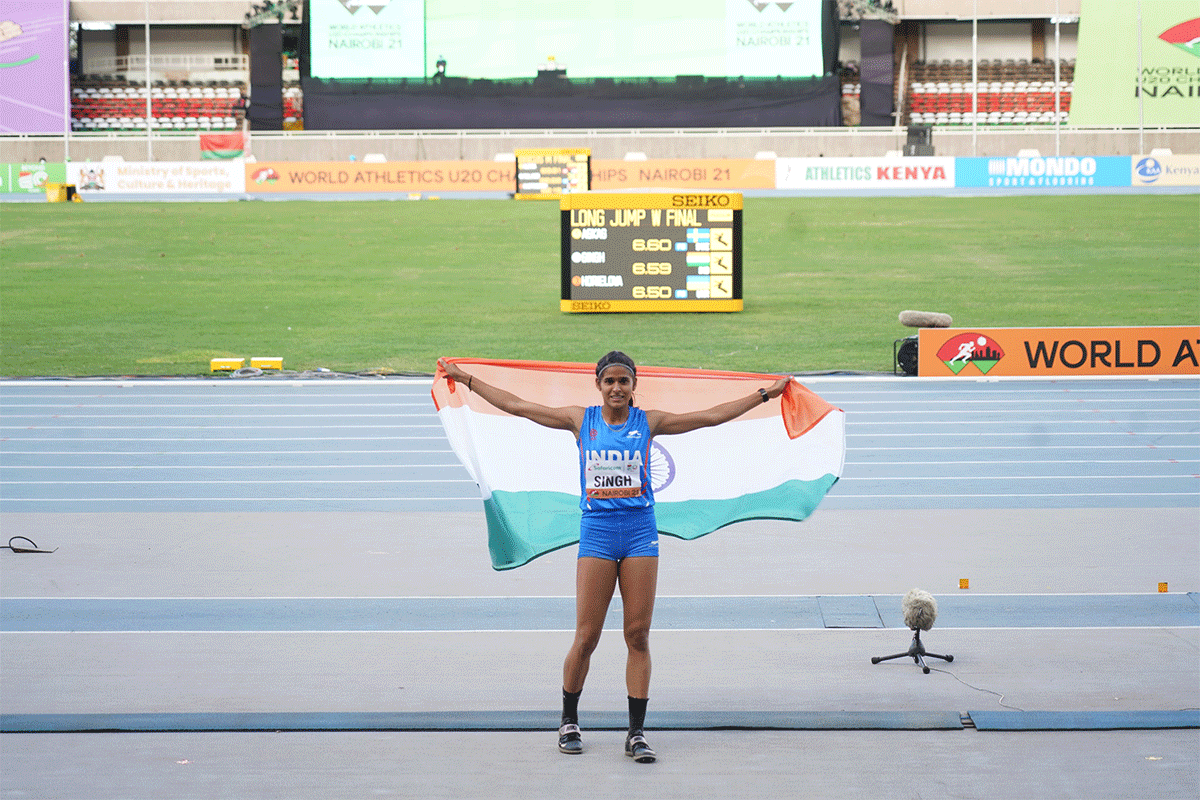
x,y
587,640
637,637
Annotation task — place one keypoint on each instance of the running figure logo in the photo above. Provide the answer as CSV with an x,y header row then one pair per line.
x,y
970,348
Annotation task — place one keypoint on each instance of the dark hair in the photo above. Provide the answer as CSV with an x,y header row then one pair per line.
x,y
615,357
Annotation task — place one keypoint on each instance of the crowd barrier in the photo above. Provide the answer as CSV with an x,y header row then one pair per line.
x,y
424,178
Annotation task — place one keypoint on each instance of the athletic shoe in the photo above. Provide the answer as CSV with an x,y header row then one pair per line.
x,y
569,740
637,749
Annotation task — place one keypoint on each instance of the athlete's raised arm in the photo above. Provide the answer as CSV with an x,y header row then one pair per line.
x,y
567,418
668,423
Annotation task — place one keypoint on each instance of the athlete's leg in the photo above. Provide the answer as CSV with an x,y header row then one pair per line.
x,y
638,577
595,580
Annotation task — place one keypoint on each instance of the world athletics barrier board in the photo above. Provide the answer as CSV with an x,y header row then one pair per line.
x,y
1055,352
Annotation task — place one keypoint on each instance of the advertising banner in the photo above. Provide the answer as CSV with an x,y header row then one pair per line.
x,y
1054,352
158,177
30,178
1180,170
1123,45
864,173
1050,172
33,66
711,174
397,176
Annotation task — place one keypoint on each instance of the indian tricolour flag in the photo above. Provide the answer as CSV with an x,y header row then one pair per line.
x,y
775,462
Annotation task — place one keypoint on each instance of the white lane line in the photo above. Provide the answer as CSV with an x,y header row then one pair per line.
x,y
831,498
1027,432
229,439
939,463
271,481
372,466
255,452
1037,420
226,500
206,426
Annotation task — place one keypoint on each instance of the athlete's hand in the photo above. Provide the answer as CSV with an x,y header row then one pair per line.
x,y
453,371
776,388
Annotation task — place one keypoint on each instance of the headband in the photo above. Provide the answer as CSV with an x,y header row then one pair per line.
x,y
619,359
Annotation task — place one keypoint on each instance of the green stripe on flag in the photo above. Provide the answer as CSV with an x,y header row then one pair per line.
x,y
525,525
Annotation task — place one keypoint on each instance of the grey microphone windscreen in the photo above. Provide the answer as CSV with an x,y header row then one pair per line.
x,y
925,319
920,610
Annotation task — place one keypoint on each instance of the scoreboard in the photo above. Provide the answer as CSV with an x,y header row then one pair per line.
x,y
548,173
666,251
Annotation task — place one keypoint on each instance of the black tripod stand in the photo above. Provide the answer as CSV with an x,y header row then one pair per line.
x,y
916,651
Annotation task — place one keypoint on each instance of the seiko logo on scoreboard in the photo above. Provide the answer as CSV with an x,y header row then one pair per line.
x,y
701,201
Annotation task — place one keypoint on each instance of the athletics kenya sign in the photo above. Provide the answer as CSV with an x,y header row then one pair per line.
x,y
1058,352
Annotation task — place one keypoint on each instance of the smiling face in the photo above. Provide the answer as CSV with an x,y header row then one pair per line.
x,y
616,384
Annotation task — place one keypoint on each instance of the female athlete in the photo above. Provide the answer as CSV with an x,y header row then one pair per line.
x,y
618,536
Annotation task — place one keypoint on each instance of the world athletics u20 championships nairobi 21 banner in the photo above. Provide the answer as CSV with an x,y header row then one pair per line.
x,y
34,85
1127,43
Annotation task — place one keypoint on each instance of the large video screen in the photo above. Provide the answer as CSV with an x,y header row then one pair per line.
x,y
501,39
34,88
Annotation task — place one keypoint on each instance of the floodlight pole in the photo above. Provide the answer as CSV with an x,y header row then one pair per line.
x,y
1057,81
975,79
149,126
1141,93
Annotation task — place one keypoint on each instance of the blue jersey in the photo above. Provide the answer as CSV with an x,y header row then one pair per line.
x,y
614,463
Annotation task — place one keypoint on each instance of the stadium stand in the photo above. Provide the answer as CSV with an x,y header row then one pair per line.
x,y
1011,92
115,105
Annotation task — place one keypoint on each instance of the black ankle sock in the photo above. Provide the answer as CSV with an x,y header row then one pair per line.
x,y
637,714
570,715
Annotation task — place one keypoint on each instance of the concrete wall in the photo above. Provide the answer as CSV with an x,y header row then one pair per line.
x,y
483,146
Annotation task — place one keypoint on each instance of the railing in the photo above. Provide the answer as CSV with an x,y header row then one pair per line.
x,y
614,144
136,65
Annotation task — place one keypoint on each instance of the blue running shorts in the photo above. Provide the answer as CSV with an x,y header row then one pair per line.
x,y
617,534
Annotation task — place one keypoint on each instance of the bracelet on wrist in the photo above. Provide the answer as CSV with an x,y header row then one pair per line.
x,y
764,395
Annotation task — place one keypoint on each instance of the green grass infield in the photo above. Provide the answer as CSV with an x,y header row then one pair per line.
x,y
160,289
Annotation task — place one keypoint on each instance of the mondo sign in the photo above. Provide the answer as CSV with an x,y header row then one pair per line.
x,y
974,352
670,251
